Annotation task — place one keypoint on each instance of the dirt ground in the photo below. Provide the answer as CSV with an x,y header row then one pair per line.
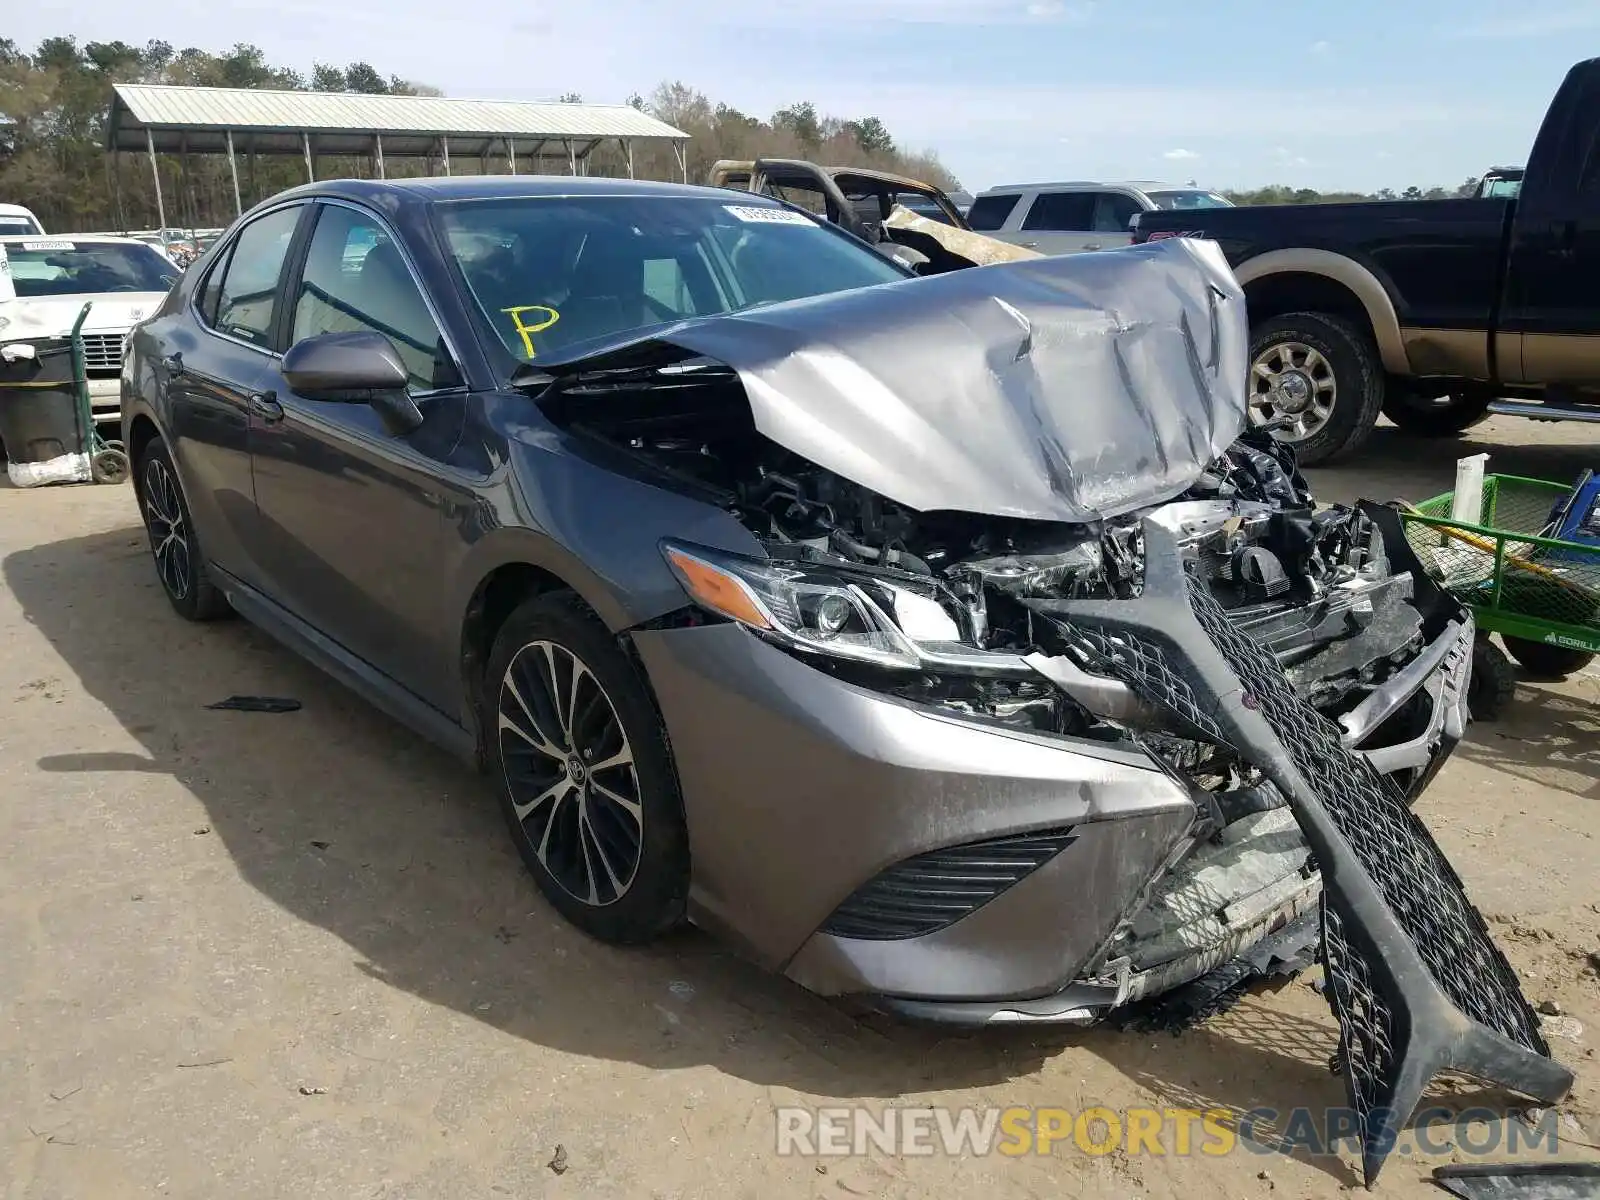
x,y
254,955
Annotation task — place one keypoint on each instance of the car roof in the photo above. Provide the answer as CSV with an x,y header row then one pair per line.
x,y
444,189
98,238
15,210
1143,185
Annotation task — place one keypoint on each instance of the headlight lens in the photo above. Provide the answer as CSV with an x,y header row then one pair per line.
x,y
804,607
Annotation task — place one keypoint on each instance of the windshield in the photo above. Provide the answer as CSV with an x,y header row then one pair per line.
x,y
15,223
1500,189
1189,199
548,272
66,268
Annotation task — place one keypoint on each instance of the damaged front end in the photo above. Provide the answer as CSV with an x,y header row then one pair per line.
x,y
1101,566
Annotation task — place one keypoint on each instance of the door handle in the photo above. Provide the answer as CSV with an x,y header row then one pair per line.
x,y
1029,245
173,363
1091,245
1566,238
265,405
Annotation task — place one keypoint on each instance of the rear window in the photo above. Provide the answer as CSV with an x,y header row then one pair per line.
x,y
61,267
989,213
15,224
1189,199
1063,211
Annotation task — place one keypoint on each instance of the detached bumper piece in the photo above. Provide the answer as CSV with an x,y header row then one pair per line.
x,y
1416,983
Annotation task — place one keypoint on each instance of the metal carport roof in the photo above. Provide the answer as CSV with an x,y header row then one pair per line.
x,y
161,119
198,119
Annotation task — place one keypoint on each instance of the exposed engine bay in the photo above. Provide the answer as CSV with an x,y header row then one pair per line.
x,y
928,605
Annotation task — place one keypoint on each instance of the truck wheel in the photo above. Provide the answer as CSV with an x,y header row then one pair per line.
x,y
1436,416
1544,661
1316,377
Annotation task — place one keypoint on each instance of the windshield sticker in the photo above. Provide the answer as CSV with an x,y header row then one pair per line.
x,y
48,246
762,215
524,329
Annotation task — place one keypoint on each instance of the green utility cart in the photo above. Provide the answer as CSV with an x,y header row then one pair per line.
x,y
1540,593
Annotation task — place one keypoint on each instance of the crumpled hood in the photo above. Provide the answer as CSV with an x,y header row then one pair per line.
x,y
1064,389
53,316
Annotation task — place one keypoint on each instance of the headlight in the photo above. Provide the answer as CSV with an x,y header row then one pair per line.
x,y
799,605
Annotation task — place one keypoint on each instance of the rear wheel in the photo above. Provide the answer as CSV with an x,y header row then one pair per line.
x,y
1315,378
585,779
180,562
1434,416
1544,661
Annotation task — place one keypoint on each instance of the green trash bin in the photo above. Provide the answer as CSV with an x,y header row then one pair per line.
x,y
40,423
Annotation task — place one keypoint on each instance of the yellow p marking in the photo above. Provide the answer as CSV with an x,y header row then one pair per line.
x,y
527,331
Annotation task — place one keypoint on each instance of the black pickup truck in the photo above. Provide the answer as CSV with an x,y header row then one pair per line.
x,y
1433,312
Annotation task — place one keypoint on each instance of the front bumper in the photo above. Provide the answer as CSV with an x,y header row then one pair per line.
x,y
803,792
105,400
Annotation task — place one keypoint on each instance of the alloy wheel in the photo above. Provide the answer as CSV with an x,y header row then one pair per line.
x,y
1293,383
169,534
570,770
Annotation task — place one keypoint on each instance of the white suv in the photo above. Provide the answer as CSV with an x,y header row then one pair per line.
x,y
1068,218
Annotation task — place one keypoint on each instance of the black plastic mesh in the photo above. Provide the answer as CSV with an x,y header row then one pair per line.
x,y
1366,1026
1390,842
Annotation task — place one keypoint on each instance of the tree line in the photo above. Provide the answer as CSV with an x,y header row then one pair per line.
x,y
55,102
1283,194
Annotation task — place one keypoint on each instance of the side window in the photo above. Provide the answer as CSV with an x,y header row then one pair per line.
x,y
211,293
1062,211
246,301
989,213
355,278
1113,211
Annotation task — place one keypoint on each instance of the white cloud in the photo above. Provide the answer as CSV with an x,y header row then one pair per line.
x,y
1548,23
1055,10
1288,158
1179,155
1322,49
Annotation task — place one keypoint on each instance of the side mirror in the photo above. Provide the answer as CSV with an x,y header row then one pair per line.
x,y
354,367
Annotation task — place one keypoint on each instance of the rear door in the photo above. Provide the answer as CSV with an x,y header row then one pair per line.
x,y
1550,325
1112,213
213,365
1058,223
351,513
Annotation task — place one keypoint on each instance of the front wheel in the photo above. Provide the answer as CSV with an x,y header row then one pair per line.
x,y
1544,661
586,781
1315,382
1434,416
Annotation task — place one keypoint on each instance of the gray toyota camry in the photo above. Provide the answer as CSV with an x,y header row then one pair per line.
x,y
837,609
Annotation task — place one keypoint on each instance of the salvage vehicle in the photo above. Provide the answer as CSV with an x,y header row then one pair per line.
x,y
14,219
1077,216
830,607
1436,313
45,283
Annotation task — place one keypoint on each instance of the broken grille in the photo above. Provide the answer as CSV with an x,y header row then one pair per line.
x,y
1415,981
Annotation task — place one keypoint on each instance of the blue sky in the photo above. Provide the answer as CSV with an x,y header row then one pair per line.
x,y
1316,93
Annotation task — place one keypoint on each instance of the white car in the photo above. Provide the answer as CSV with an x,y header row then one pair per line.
x,y
1070,218
14,219
46,281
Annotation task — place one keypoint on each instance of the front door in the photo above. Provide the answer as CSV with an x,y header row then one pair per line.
x,y
211,372
350,511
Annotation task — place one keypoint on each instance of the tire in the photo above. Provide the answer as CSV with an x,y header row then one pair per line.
x,y
1494,681
568,816
174,545
1352,366
1442,417
1544,661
